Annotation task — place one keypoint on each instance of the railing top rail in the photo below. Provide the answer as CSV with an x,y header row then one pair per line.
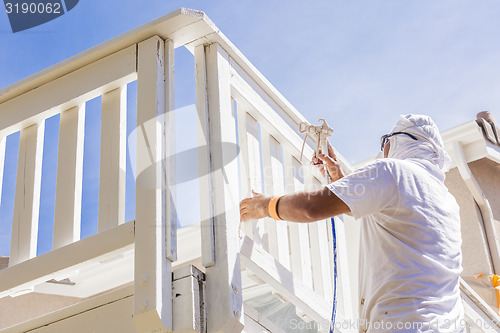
x,y
173,26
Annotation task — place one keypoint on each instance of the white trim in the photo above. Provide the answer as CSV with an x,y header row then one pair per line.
x,y
476,307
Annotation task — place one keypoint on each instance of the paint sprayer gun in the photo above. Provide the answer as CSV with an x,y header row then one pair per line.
x,y
317,132
320,133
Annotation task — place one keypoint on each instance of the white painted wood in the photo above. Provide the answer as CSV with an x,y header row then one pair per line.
x,y
179,25
241,117
94,277
224,292
205,185
245,188
188,300
320,253
113,166
68,204
269,115
318,270
169,198
68,91
273,179
256,322
27,197
262,83
57,264
251,178
477,304
153,271
3,140
299,233
284,282
184,304
254,171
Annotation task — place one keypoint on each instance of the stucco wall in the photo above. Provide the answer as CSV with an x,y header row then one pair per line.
x,y
476,257
487,174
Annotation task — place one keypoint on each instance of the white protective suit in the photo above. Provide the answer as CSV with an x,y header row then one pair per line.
x,y
410,257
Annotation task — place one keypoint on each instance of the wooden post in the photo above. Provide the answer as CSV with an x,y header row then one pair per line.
x,y
68,204
206,202
153,271
224,293
27,197
113,159
169,171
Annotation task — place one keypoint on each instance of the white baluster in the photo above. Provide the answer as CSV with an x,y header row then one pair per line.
x,y
322,269
27,198
113,159
251,178
273,180
68,203
299,234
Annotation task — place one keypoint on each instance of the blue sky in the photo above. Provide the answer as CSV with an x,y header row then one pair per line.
x,y
359,64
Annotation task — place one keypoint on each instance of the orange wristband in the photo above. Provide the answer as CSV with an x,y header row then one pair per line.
x,y
272,208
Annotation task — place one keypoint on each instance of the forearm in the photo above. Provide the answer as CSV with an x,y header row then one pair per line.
x,y
297,207
310,206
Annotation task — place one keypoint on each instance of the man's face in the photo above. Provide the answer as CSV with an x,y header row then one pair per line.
x,y
386,148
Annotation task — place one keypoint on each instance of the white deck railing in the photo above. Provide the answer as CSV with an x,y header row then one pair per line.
x,y
250,131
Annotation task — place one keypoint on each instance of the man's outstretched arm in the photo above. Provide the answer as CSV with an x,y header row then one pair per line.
x,y
296,207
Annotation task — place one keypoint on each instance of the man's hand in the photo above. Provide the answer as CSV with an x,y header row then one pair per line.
x,y
255,207
332,165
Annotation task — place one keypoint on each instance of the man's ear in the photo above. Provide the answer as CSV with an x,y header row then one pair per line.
x,y
386,148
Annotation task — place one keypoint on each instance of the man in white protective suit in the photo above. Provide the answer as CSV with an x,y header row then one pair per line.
x,y
410,257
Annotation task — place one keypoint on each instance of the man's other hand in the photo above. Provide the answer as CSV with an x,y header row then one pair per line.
x,y
255,207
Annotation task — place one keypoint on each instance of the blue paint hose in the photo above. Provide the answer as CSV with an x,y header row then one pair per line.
x,y
334,306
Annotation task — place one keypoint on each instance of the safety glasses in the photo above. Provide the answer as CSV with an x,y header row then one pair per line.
x,y
385,138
